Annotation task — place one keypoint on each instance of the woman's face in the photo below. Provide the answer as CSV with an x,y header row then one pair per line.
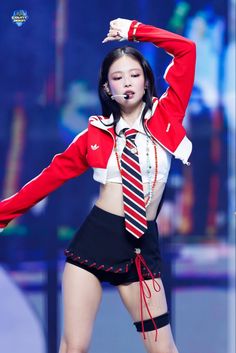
x,y
126,76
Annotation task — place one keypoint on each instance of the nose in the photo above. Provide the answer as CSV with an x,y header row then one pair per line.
x,y
127,82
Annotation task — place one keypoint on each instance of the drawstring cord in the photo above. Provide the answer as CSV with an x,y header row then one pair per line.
x,y
139,261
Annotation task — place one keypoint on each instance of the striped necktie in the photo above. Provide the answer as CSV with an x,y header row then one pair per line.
x,y
133,196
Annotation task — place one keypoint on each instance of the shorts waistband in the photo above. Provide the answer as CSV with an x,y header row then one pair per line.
x,y
97,211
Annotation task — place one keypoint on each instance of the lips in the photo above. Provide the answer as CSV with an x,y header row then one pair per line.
x,y
129,93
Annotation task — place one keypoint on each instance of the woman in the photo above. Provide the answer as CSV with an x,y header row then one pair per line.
x,y
130,149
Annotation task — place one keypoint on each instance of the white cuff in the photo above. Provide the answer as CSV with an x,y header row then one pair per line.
x,y
122,25
184,150
1,230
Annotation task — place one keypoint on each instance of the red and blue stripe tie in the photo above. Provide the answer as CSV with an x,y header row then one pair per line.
x,y
133,195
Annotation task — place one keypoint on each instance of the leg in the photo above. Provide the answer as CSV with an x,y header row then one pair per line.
x,y
157,304
82,293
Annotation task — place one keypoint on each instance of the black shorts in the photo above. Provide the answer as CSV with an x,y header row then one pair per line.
x,y
105,248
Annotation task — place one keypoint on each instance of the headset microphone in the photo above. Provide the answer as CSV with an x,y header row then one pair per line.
x,y
125,96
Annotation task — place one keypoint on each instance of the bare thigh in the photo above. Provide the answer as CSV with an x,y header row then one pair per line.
x,y
130,295
82,294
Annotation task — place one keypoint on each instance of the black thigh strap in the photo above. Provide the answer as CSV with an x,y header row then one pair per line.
x,y
160,321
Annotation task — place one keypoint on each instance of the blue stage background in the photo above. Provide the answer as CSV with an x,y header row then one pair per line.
x,y
48,89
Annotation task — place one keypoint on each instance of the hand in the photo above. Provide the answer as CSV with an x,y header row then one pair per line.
x,y
166,221
119,29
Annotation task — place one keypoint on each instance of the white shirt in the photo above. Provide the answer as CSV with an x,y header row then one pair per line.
x,y
112,173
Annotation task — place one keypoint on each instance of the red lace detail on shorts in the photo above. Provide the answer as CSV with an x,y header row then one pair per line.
x,y
100,267
97,266
139,262
119,270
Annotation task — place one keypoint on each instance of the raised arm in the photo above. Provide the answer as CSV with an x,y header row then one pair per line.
x,y
179,74
64,166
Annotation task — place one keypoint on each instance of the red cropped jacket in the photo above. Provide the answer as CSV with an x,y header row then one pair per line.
x,y
93,147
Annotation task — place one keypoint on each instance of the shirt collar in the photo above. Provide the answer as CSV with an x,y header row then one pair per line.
x,y
122,124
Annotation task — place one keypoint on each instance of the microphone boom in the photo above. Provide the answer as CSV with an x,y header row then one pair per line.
x,y
125,96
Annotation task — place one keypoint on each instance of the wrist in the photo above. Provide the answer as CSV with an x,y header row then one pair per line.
x,y
124,28
132,31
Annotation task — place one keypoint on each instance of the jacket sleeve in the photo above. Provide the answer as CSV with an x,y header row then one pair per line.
x,y
180,72
64,166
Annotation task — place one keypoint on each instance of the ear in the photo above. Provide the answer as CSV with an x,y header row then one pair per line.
x,y
106,88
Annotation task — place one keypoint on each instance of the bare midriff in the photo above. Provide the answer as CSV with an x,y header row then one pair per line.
x,y
111,198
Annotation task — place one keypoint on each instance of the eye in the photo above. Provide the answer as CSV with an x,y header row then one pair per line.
x,y
135,75
116,78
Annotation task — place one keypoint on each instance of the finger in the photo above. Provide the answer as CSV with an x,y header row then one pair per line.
x,y
105,40
110,39
113,33
115,28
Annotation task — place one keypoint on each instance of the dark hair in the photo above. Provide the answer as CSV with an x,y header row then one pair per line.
x,y
110,106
